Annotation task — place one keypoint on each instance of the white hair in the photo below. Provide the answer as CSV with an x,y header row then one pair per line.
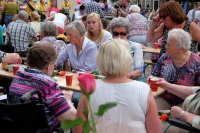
x,y
52,13
23,15
182,38
135,8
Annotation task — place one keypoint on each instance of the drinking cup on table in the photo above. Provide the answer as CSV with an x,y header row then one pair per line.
x,y
15,68
155,45
154,86
150,77
69,78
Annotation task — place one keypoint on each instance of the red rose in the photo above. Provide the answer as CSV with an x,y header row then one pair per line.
x,y
163,117
87,82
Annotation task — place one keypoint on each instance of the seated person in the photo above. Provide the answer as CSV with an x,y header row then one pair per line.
x,y
35,21
83,19
80,12
178,66
136,108
120,28
105,23
41,59
48,33
191,114
81,52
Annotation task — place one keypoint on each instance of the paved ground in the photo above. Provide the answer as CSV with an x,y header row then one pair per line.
x,y
147,57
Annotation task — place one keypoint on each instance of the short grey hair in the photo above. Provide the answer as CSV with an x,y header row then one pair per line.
x,y
23,15
182,38
120,22
78,28
49,29
135,8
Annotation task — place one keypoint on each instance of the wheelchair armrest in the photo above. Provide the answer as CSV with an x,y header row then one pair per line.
x,y
29,94
183,125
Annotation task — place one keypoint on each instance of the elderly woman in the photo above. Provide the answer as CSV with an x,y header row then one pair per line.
x,y
81,52
136,108
178,66
41,60
120,28
48,33
172,16
95,30
189,113
139,26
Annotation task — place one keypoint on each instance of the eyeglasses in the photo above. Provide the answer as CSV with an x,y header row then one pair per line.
x,y
121,34
163,16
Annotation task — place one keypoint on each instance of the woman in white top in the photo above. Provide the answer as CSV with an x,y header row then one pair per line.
x,y
95,30
136,110
60,20
35,21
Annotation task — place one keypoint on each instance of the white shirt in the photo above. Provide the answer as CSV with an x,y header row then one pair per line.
x,y
129,114
106,36
59,20
189,15
78,15
197,13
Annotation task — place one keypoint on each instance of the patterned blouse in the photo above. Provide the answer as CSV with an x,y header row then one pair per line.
x,y
188,74
57,44
139,24
137,62
27,79
2,56
186,28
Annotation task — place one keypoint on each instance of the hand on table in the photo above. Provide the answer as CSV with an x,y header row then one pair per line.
x,y
175,111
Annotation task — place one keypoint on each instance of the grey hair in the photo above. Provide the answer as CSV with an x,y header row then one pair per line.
x,y
182,38
120,22
78,28
135,8
49,29
23,15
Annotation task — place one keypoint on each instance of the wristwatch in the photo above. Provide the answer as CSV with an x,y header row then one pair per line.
x,y
131,75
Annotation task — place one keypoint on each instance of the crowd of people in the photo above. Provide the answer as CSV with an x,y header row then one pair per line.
x,y
113,49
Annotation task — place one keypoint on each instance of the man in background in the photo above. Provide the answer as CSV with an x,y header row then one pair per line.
x,y
93,7
80,12
124,11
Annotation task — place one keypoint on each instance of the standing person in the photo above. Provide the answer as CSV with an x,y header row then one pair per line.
x,y
193,13
10,9
189,15
93,7
105,7
49,3
172,16
41,7
52,7
124,11
95,30
139,26
197,13
29,9
80,12
142,12
66,4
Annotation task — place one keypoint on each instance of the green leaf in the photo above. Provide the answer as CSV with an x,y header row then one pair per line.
x,y
84,112
53,74
69,124
103,108
86,126
160,113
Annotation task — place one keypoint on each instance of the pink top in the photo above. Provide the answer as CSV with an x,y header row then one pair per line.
x,y
53,9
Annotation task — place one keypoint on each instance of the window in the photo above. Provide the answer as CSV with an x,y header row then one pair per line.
x,y
148,4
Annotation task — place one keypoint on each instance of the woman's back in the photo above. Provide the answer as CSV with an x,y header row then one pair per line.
x,y
129,114
59,19
36,26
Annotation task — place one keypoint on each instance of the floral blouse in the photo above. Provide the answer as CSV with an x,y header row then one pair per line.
x,y
139,24
2,56
57,44
188,74
137,62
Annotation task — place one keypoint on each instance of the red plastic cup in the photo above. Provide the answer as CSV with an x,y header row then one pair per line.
x,y
150,77
154,86
69,78
155,45
15,68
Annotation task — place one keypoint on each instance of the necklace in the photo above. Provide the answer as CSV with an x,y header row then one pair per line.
x,y
183,60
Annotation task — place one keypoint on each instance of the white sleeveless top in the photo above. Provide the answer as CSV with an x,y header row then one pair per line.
x,y
129,114
59,20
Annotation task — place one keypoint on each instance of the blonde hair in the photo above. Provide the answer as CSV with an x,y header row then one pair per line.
x,y
113,58
89,33
35,16
51,4
15,18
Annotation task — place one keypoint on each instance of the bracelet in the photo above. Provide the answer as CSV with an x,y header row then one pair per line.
x,y
181,115
131,75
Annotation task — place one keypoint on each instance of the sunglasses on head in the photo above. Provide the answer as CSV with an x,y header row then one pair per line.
x,y
117,34
163,16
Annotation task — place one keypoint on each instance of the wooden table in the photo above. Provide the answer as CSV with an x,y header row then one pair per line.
x,y
151,50
62,82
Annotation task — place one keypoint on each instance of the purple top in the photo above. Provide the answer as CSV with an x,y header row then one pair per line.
x,y
106,6
27,79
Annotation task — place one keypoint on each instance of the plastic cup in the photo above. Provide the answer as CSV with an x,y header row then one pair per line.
x,y
15,68
154,86
69,78
150,77
155,45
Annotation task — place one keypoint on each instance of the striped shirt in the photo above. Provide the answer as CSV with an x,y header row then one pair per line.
x,y
27,79
93,7
86,59
18,33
